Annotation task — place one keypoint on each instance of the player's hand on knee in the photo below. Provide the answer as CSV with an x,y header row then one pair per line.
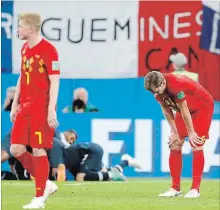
x,y
174,137
52,119
195,140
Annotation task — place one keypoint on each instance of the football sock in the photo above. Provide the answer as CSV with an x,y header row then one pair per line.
x,y
106,176
122,165
28,162
96,176
175,163
41,174
198,166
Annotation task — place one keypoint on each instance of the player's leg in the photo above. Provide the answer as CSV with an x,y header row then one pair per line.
x,y
175,160
175,164
112,175
41,139
127,160
40,157
90,168
41,170
201,121
19,140
91,165
92,176
197,171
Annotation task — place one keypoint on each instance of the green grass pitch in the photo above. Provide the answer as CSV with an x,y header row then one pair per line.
x,y
133,194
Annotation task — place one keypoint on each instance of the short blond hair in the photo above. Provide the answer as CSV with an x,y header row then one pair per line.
x,y
31,18
153,80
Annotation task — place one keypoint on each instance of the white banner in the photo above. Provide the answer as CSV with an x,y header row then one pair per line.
x,y
94,39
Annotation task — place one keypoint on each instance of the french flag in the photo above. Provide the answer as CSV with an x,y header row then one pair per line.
x,y
210,47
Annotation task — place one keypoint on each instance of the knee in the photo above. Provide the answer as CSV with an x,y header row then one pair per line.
x,y
177,145
17,150
80,177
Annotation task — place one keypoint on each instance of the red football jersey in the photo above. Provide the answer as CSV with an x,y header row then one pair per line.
x,y
37,64
180,88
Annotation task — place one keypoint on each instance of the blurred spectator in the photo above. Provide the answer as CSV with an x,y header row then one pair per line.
x,y
80,102
10,94
179,61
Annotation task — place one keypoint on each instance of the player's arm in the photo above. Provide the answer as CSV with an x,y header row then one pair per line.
x,y
179,97
182,104
193,137
15,102
53,70
61,173
54,89
18,87
168,114
56,160
186,116
17,92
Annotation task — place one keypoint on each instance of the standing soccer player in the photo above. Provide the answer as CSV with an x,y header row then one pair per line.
x,y
194,109
34,107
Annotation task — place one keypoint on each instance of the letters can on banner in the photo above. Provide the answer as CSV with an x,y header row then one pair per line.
x,y
166,31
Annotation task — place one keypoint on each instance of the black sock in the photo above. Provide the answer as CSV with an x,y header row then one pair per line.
x,y
105,176
91,176
96,176
122,165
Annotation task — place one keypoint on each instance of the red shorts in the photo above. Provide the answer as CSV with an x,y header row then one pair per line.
x,y
32,130
201,118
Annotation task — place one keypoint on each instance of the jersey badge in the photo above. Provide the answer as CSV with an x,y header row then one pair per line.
x,y
180,95
55,66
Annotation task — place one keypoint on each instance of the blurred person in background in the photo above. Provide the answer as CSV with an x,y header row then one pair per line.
x,y
80,102
84,161
179,61
57,168
10,94
19,173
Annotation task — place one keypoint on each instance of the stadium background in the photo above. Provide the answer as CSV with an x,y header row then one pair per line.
x,y
107,50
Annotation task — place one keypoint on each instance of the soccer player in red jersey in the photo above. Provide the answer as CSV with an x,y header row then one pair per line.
x,y
194,109
34,107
